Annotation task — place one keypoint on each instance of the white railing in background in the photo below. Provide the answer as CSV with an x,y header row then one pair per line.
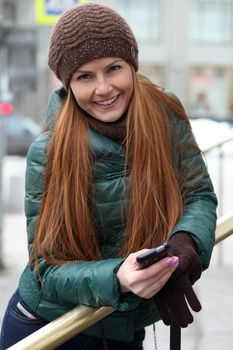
x,y
219,145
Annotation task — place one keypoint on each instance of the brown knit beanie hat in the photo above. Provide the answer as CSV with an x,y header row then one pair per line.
x,y
86,32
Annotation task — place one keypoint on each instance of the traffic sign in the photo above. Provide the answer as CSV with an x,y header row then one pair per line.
x,y
48,11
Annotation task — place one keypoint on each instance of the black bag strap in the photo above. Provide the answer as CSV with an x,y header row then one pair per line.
x,y
175,337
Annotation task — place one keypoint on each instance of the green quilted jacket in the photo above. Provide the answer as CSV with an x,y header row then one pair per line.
x,y
61,288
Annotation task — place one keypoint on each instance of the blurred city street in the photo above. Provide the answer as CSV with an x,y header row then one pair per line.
x,y
213,325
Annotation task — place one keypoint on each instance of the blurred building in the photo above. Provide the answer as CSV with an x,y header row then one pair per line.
x,y
185,46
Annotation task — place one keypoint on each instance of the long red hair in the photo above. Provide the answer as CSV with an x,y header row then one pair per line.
x,y
65,229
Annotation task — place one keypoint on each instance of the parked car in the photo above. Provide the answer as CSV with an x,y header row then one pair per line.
x,y
20,132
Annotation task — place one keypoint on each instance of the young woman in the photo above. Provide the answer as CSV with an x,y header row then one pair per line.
x,y
118,172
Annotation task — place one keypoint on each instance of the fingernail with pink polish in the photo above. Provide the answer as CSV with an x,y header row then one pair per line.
x,y
173,260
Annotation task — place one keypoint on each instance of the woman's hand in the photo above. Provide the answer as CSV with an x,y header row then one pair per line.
x,y
177,298
146,282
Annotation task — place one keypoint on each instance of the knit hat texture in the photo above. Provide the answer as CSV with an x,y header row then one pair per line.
x,y
86,32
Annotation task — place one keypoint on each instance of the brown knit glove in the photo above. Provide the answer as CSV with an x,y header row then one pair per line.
x,y
174,299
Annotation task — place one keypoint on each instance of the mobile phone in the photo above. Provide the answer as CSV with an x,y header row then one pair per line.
x,y
151,256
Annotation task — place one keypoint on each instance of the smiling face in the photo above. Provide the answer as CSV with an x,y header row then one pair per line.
x,y
103,88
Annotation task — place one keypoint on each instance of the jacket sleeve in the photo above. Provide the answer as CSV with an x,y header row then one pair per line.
x,y
90,283
199,215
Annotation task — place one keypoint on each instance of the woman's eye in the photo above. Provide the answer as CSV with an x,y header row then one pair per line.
x,y
83,77
114,68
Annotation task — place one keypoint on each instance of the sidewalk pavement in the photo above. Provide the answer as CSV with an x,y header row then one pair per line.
x,y
213,325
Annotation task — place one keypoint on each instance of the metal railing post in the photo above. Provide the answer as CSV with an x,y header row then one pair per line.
x,y
220,193
2,152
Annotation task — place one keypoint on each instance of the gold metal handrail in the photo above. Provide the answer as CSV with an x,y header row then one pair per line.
x,y
224,227
81,317
62,329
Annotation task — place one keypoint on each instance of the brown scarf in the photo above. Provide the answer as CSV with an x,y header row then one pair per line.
x,y
113,130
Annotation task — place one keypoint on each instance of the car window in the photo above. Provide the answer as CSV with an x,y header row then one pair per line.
x,y
32,126
14,127
21,127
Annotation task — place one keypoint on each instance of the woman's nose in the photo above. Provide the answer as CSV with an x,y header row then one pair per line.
x,y
103,87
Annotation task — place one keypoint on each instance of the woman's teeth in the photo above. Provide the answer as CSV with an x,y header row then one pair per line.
x,y
107,102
